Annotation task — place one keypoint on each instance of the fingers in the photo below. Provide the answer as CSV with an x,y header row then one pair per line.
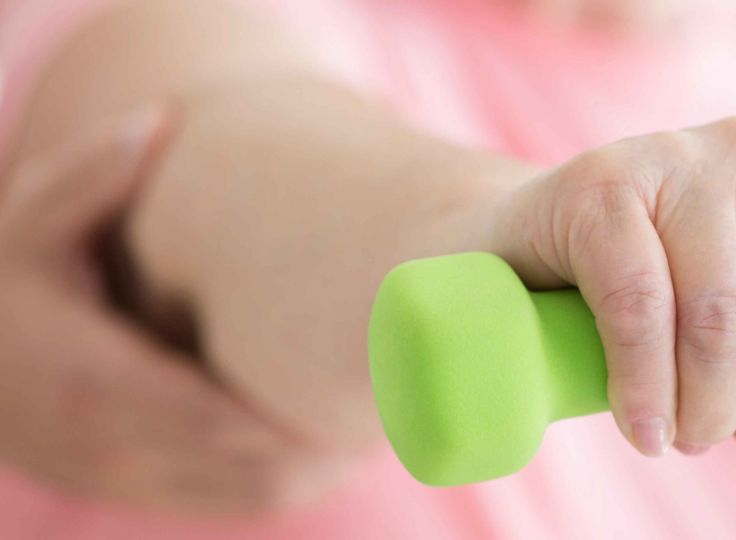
x,y
62,198
622,271
703,266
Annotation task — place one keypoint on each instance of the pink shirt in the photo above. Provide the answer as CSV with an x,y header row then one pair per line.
x,y
482,75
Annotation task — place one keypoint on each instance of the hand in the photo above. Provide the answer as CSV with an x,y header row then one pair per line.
x,y
87,400
645,227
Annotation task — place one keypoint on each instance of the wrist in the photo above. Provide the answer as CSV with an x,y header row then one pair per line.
x,y
493,185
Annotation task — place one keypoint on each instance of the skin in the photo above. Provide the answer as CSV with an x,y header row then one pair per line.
x,y
641,226
88,400
274,214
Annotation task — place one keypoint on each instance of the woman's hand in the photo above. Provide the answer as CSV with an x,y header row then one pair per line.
x,y
646,228
86,399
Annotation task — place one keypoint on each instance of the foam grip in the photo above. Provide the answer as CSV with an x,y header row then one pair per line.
x,y
469,367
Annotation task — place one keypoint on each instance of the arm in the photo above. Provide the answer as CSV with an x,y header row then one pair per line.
x,y
287,197
281,205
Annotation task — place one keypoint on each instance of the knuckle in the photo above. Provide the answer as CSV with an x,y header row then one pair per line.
x,y
641,389
707,325
594,210
604,200
628,386
635,313
601,188
634,399
593,169
675,143
610,196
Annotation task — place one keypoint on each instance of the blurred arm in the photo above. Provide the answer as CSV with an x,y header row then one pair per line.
x,y
281,205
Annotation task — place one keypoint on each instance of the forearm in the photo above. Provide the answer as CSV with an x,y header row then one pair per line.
x,y
285,217
296,165
283,201
156,50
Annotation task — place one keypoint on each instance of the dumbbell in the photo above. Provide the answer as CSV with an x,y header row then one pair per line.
x,y
469,367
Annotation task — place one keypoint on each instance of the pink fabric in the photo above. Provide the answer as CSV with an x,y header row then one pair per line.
x,y
482,75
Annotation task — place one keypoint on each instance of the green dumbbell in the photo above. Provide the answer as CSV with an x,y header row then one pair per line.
x,y
469,367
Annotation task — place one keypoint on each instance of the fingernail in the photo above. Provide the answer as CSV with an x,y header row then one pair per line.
x,y
139,128
650,436
691,449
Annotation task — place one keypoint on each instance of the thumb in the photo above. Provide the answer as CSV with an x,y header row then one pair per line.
x,y
61,199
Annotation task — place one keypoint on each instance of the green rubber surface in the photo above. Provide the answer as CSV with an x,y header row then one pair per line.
x,y
469,367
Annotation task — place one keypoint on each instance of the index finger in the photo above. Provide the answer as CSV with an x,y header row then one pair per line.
x,y
621,269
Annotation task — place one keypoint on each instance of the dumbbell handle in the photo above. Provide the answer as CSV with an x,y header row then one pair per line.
x,y
575,359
